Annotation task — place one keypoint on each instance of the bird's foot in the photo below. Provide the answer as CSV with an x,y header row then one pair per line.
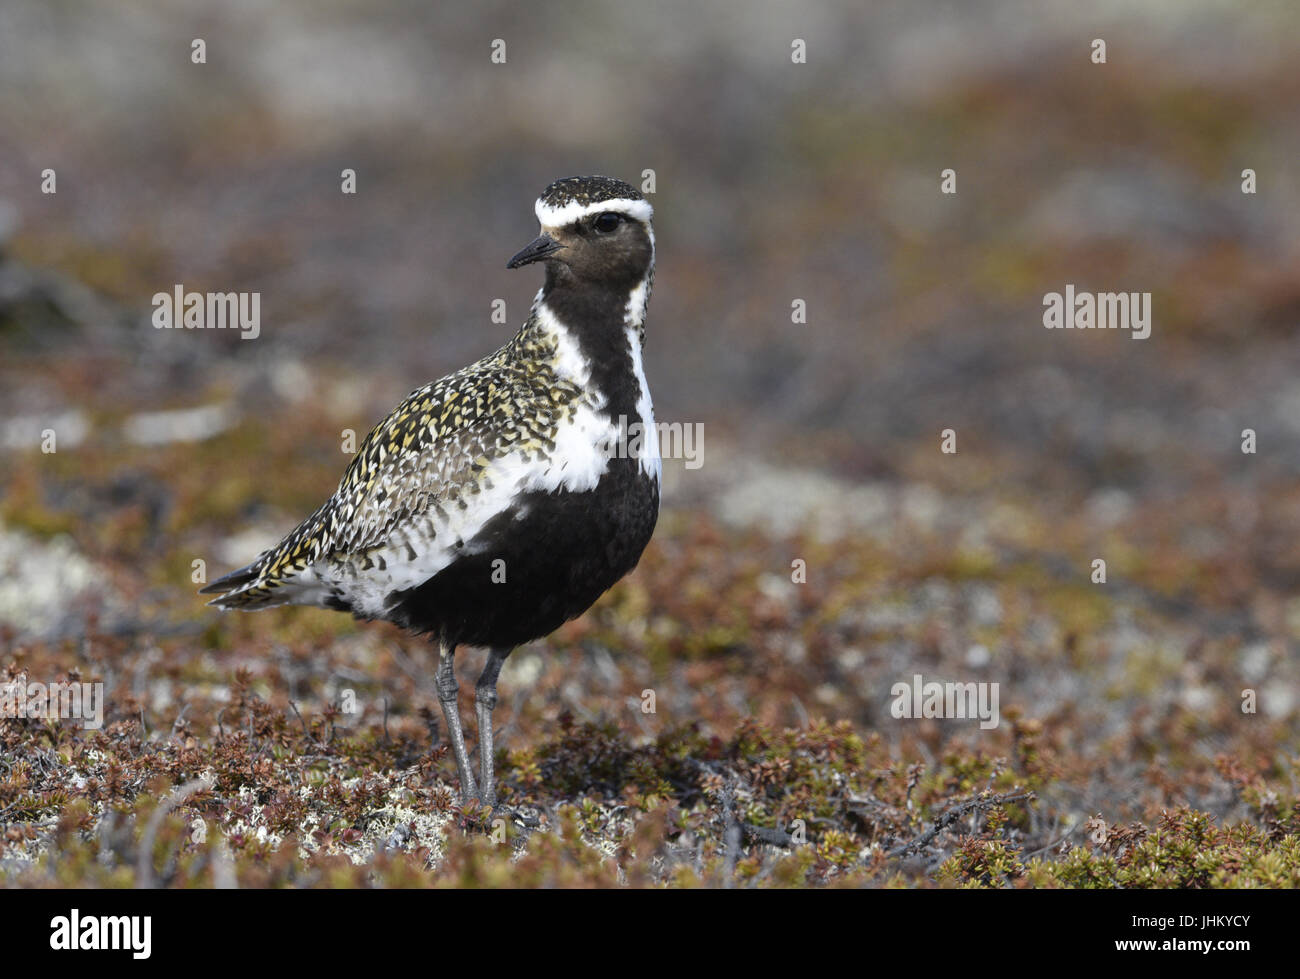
x,y
492,818
524,816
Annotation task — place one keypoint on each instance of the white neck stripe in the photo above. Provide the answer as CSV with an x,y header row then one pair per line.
x,y
558,217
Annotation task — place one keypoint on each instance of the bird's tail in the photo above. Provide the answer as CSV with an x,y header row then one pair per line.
x,y
271,577
240,589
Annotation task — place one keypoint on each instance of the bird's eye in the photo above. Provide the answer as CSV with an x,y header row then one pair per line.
x,y
607,222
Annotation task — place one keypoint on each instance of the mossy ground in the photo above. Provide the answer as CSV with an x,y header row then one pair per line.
x,y
300,748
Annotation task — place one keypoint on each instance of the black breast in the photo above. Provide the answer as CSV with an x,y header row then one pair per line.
x,y
560,552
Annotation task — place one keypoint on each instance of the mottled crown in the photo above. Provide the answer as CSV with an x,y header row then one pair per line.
x,y
572,198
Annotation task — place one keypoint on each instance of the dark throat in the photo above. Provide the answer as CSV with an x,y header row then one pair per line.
x,y
594,314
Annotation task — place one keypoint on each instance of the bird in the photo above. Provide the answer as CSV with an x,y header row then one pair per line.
x,y
499,502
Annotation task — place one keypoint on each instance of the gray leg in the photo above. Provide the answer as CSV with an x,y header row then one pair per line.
x,y
448,688
485,701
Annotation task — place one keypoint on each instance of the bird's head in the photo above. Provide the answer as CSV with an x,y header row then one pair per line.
x,y
594,230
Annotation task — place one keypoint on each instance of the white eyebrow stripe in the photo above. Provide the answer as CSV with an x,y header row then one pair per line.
x,y
558,217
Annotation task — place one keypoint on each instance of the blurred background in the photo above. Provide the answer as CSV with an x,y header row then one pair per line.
x,y
775,181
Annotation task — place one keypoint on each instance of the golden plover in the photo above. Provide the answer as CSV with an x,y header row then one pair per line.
x,y
497,503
